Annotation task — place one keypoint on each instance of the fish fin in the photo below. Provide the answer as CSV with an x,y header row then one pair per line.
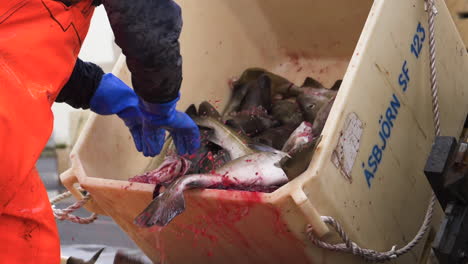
x,y
311,82
207,109
95,257
337,85
162,209
191,110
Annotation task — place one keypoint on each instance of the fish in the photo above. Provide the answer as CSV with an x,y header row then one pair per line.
x,y
168,149
275,137
206,109
225,137
279,84
311,82
310,105
251,125
320,92
73,260
258,171
208,159
239,91
122,258
300,160
301,147
287,112
322,117
173,167
258,94
301,138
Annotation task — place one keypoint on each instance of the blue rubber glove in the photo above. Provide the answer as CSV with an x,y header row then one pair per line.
x,y
147,122
114,97
160,117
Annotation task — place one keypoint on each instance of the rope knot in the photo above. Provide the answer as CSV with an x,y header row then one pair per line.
x,y
65,214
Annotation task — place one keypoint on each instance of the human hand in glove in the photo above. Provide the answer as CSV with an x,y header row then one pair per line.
x,y
147,122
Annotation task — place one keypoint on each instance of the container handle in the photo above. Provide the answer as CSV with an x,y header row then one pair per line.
x,y
69,179
312,216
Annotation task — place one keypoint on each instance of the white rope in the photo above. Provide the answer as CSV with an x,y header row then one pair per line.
x,y
375,256
65,214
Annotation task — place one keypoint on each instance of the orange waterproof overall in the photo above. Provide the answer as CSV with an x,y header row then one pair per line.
x,y
39,44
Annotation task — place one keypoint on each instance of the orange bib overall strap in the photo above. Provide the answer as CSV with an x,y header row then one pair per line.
x,y
39,44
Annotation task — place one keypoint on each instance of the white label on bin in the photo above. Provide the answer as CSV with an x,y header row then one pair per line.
x,y
347,148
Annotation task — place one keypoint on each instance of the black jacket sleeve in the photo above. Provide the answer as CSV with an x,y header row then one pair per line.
x,y
81,86
148,33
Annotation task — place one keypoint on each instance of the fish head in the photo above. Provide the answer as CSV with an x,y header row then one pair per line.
x,y
302,137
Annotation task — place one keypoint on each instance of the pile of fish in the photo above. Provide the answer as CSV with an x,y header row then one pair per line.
x,y
265,137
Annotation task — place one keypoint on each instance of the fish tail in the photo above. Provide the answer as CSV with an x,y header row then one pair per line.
x,y
162,209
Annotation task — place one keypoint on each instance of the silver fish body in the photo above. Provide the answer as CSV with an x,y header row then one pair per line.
x,y
228,139
256,171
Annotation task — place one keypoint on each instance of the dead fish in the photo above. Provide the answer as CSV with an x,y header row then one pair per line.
x,y
275,137
225,137
301,138
300,160
251,125
319,92
239,91
73,260
258,170
258,94
287,112
168,149
311,82
122,258
212,161
310,105
322,117
209,157
173,167
206,109
279,84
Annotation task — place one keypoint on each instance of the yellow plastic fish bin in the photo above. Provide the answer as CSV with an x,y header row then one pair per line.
x,y
367,171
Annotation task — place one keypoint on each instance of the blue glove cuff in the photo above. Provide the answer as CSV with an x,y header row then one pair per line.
x,y
157,112
112,96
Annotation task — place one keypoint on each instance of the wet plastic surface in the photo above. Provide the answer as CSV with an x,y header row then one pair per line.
x,y
83,241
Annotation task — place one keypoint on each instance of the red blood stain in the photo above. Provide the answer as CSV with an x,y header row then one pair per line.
x,y
248,161
128,186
